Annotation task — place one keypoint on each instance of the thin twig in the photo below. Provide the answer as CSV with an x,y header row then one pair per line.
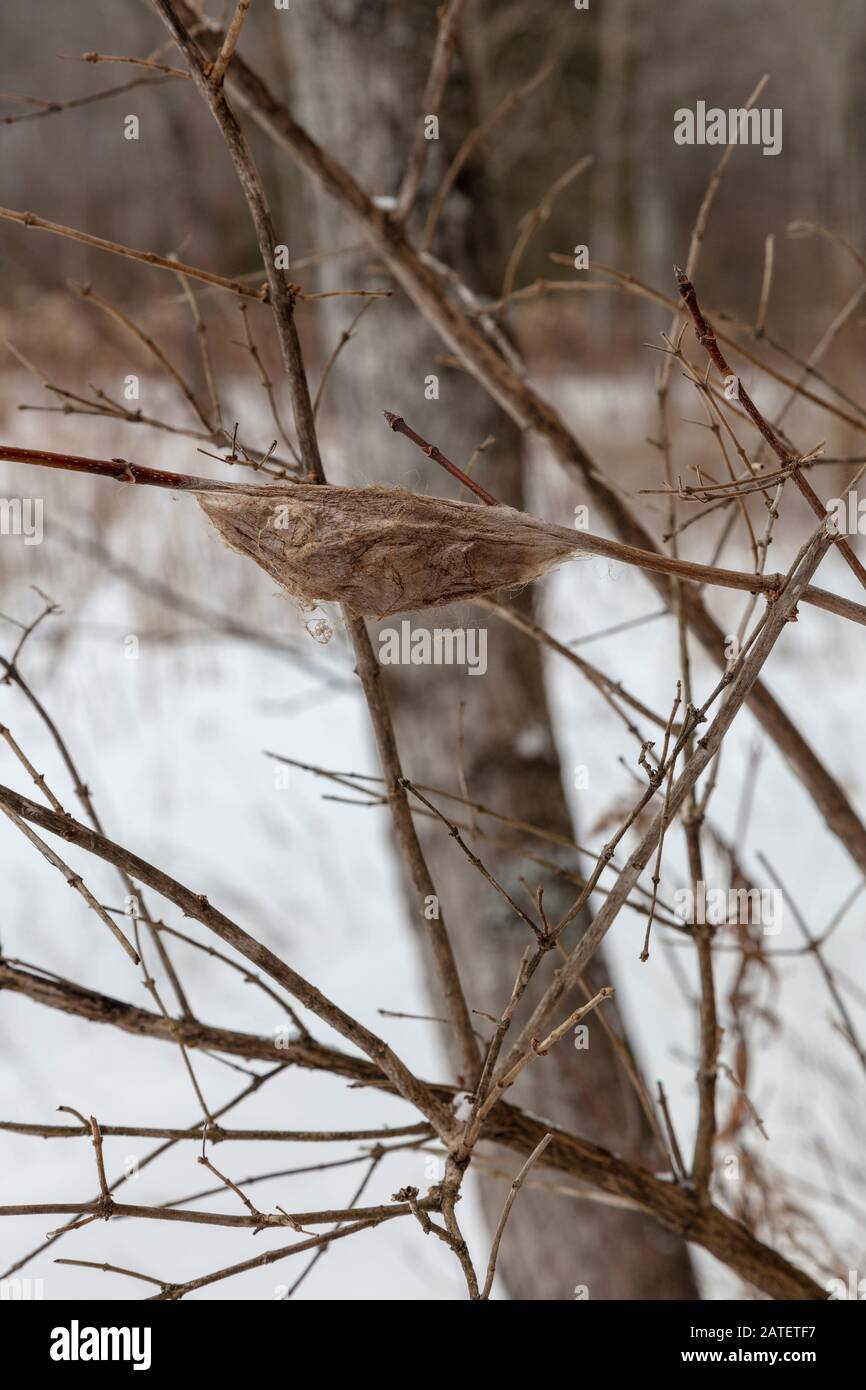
x,y
29,219
399,426
217,71
506,1211
446,39
707,338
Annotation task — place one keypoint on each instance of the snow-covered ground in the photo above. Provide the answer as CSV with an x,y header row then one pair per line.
x,y
171,744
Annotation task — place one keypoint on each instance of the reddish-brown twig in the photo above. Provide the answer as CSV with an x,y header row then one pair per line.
x,y
398,424
707,338
118,469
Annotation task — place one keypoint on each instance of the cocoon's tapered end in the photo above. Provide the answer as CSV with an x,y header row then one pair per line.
x,y
383,550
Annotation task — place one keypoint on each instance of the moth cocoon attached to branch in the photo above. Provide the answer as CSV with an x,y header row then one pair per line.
x,y
383,550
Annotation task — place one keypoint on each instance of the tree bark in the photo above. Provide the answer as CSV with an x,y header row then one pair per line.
x,y
359,72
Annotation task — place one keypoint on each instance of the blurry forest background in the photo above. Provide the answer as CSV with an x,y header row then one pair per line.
x,y
171,743
622,68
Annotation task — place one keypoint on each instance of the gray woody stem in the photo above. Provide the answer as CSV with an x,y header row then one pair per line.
x,y
707,747
196,906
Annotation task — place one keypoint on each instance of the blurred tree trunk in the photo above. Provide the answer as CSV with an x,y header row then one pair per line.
x,y
660,235
611,142
359,71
